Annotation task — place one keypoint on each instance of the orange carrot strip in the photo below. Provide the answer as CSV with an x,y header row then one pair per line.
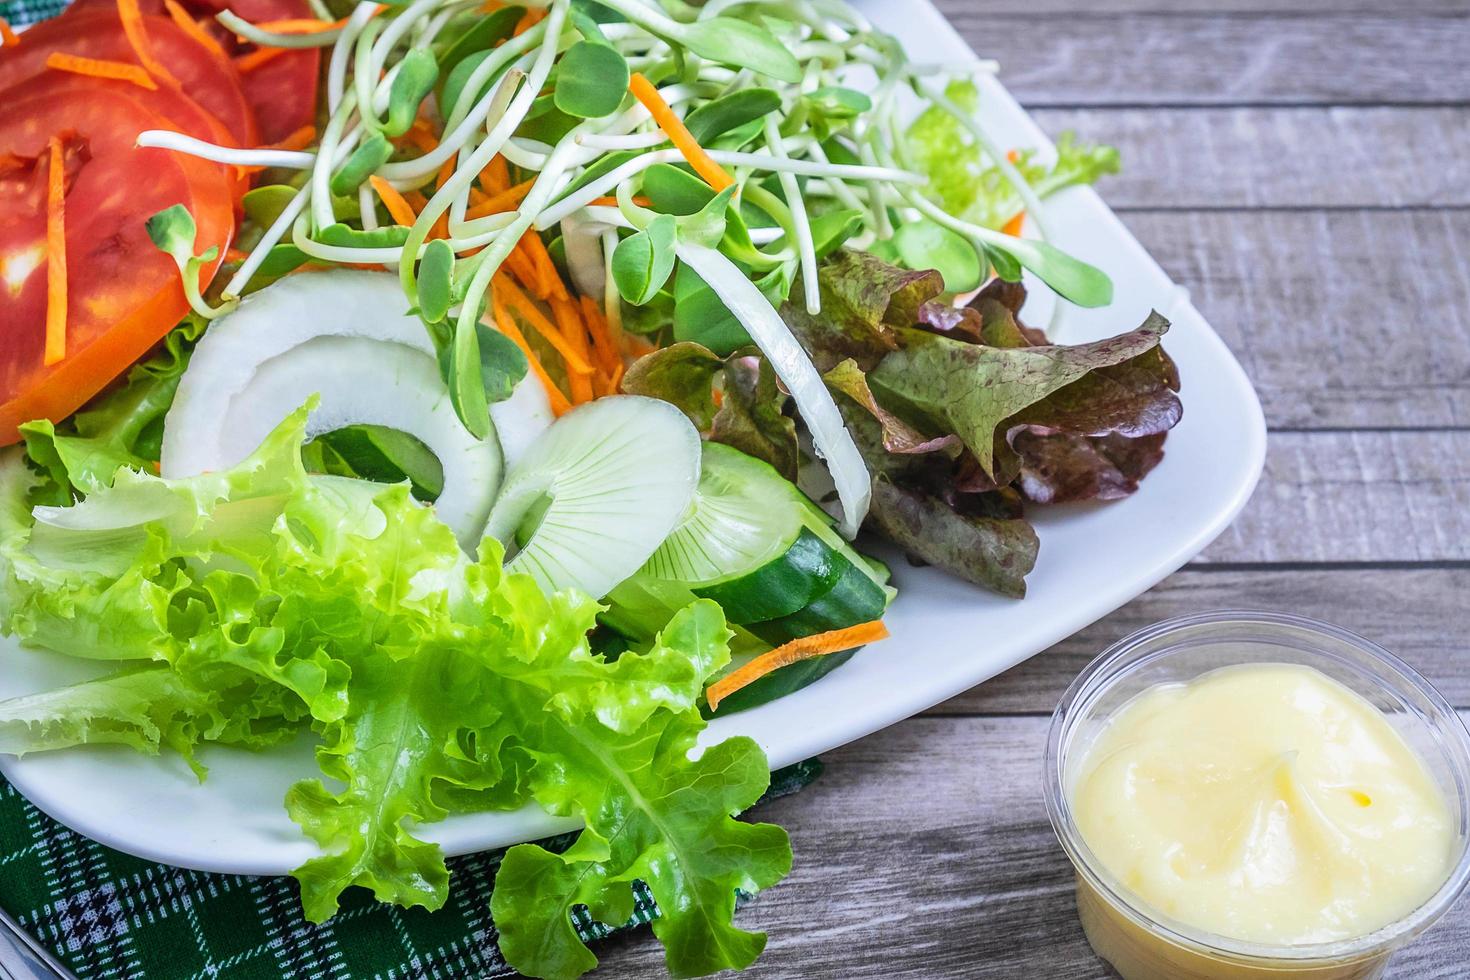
x,y
529,19
251,60
496,175
191,27
55,253
420,135
8,37
99,68
678,133
612,202
802,648
397,206
603,345
496,203
1014,226
515,299
233,255
569,322
298,140
137,34
519,265
545,268
300,25
559,404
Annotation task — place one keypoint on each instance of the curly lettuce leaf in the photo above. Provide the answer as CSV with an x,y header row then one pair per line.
x,y
968,185
264,594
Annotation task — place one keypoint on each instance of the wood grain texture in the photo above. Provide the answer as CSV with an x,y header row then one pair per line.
x,y
1210,158
1419,613
1341,319
925,851
973,13
1100,59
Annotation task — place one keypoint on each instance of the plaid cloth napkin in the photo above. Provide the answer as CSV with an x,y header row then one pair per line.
x,y
114,917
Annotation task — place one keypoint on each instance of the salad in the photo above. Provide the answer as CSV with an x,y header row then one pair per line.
x,y
498,392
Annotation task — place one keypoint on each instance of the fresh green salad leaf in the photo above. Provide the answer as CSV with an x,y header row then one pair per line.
x,y
262,595
591,80
968,186
417,74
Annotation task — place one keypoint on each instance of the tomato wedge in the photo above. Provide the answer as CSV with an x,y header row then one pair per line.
x,y
122,293
206,78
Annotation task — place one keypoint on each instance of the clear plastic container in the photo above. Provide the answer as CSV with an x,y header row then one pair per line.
x,y
1144,944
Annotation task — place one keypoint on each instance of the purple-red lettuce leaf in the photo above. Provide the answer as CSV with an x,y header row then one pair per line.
x,y
863,300
752,417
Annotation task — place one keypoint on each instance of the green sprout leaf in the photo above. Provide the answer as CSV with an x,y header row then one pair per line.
x,y
364,161
830,231
926,245
718,116
436,280
1073,279
466,381
417,73
837,102
591,80
642,262
741,44
674,190
345,236
172,232
263,205
707,226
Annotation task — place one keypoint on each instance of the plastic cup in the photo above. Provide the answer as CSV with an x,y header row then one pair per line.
x,y
1144,944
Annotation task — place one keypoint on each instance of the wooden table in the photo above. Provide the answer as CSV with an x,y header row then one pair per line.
x,y
1303,166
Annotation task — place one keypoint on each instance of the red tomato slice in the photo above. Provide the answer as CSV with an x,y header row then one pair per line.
x,y
283,91
122,293
208,79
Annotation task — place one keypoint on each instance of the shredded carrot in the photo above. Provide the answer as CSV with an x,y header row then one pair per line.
x,y
678,133
298,140
99,68
514,298
612,202
519,264
1014,226
251,60
421,136
300,25
637,346
137,34
569,322
191,27
1014,156
503,201
802,648
397,206
529,19
496,175
55,253
8,37
545,268
603,345
559,404
233,255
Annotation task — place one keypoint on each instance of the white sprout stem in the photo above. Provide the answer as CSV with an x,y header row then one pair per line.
x,y
757,161
460,130
839,190
267,39
363,74
167,139
509,96
628,141
806,249
272,237
334,148
525,153
341,254
367,207
765,236
337,66
1022,186
397,29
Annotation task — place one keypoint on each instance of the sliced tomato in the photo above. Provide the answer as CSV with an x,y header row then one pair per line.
x,y
207,78
122,293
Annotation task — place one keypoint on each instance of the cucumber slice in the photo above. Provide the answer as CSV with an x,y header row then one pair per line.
x,y
852,599
348,336
782,586
599,492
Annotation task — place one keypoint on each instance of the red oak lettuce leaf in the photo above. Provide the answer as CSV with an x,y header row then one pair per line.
x,y
863,300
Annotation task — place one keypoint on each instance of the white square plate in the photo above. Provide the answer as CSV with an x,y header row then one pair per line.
x,y
947,636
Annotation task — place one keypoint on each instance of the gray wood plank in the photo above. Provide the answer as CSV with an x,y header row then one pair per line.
x,y
1417,613
1205,59
1210,158
1356,497
1342,319
924,851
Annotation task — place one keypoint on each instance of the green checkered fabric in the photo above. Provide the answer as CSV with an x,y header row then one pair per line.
x,y
115,917
22,13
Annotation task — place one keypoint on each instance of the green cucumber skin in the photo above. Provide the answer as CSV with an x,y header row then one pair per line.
x,y
853,599
780,587
787,680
